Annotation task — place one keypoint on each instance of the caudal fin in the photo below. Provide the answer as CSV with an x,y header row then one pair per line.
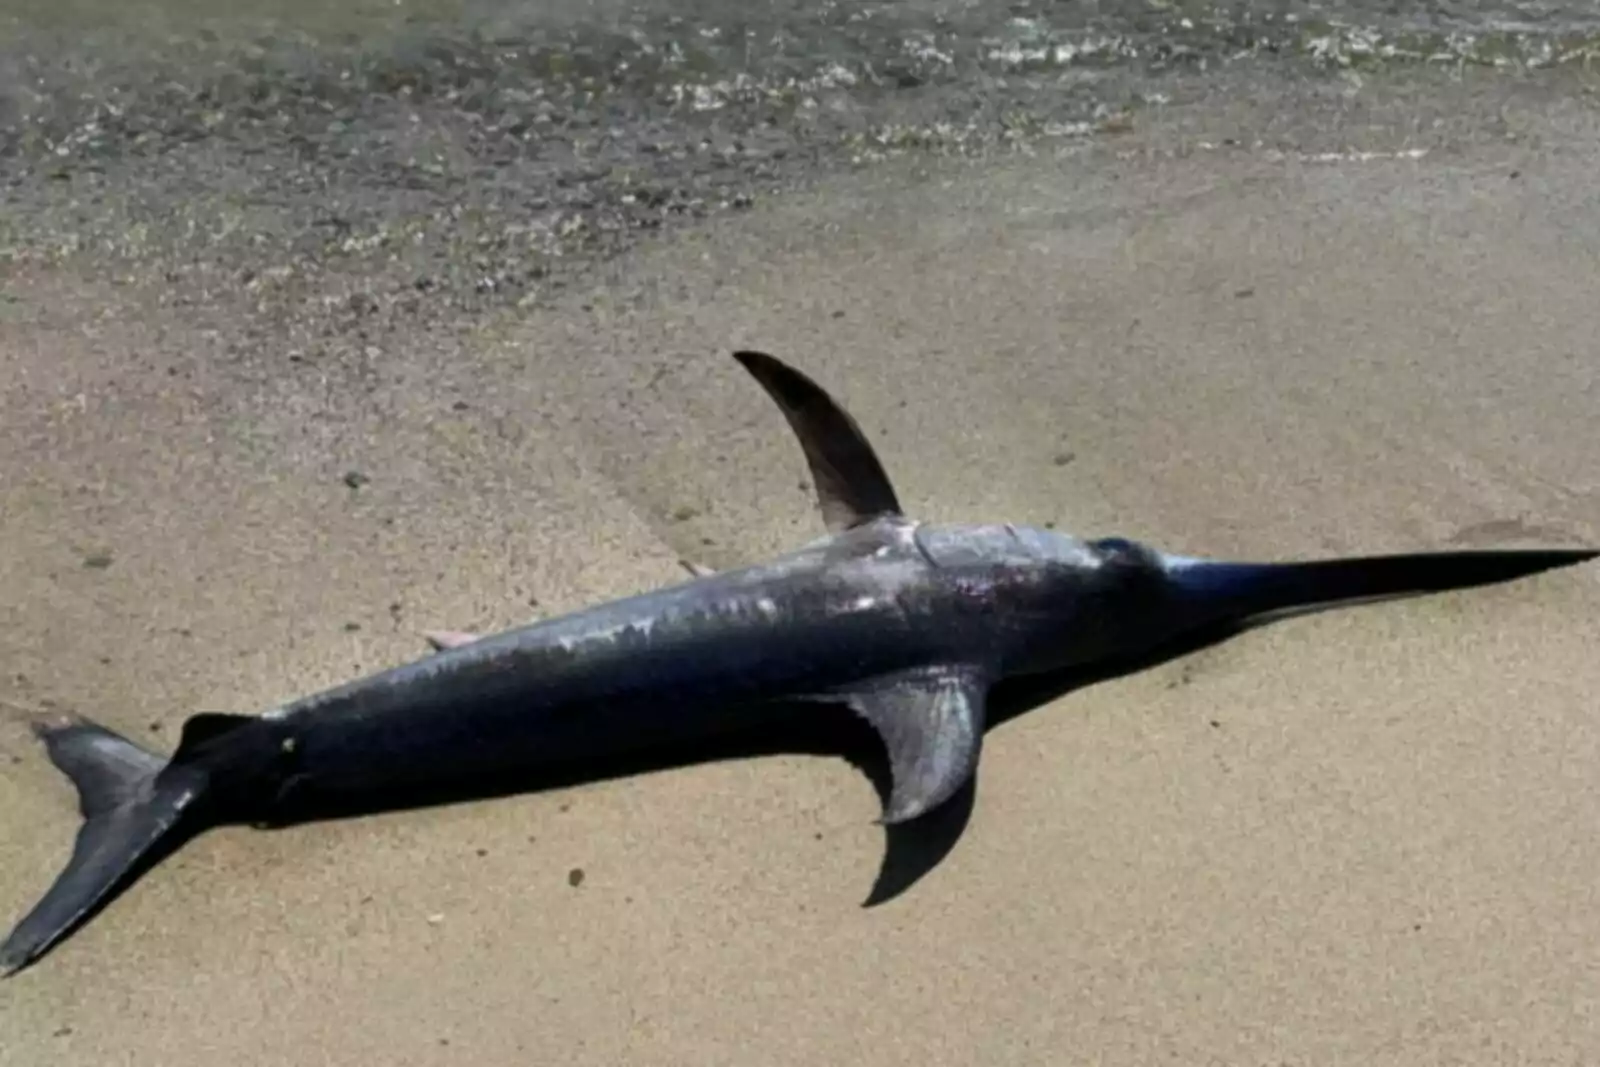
x,y
1245,590
132,802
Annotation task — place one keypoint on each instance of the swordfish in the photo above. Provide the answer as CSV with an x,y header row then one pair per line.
x,y
907,623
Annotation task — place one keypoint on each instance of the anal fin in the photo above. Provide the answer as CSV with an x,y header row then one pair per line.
x,y
204,727
931,720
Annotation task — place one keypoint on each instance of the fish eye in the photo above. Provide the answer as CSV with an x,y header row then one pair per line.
x,y
1115,544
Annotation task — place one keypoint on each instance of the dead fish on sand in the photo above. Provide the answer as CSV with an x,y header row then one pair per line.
x,y
908,623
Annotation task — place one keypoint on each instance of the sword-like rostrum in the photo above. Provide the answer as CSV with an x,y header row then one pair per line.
x,y
907,623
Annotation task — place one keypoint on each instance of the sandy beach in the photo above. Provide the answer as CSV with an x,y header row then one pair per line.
x,y
1306,326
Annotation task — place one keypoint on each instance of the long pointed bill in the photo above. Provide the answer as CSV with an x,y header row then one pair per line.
x,y
1245,590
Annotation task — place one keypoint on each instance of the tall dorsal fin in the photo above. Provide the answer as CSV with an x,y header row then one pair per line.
x,y
851,485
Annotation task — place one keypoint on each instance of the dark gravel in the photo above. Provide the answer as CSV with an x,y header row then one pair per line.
x,y
356,174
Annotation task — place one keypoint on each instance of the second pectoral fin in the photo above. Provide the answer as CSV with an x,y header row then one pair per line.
x,y
444,640
931,720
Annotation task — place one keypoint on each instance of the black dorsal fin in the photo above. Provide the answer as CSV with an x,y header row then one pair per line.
x,y
852,487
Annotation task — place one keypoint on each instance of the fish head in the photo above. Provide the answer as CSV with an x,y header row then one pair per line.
x,y
1100,599
1052,600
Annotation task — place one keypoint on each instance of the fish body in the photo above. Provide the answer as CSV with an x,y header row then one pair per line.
x,y
906,623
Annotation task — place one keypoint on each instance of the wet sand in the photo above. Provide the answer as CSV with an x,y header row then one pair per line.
x,y
1363,836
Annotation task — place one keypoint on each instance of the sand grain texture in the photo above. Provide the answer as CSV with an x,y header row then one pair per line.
x,y
1364,837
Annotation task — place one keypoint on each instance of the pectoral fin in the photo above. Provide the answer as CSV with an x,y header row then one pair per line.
x,y
851,485
931,720
442,640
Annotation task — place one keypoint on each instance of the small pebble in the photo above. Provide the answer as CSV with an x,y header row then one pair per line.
x,y
575,877
355,479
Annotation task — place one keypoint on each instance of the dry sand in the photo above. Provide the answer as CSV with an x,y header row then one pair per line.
x,y
1359,837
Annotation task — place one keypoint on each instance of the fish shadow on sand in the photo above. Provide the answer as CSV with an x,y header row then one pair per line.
x,y
893,643
911,850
